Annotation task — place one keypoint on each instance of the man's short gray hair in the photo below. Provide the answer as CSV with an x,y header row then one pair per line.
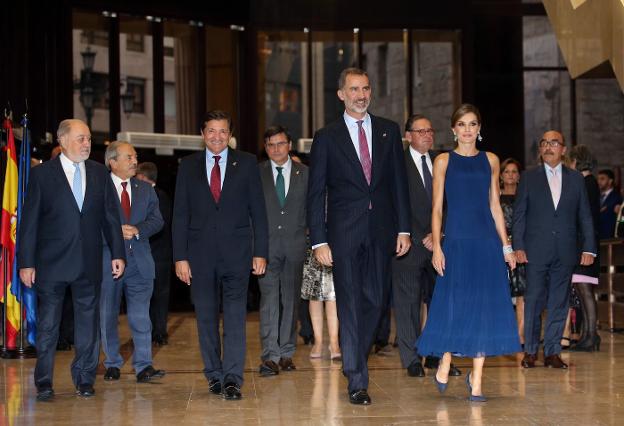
x,y
111,152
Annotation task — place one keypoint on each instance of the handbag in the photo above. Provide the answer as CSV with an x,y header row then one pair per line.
x,y
517,280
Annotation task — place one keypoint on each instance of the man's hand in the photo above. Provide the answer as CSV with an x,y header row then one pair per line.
x,y
587,259
428,242
323,255
118,267
404,242
258,265
510,258
27,275
129,231
521,256
183,271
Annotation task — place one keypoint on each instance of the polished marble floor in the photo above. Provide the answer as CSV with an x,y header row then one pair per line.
x,y
591,392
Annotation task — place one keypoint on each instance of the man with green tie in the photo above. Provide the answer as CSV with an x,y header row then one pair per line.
x,y
285,186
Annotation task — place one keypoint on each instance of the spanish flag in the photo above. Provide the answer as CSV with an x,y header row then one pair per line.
x,y
8,231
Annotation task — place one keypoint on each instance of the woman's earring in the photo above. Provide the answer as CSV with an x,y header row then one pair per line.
x,y
479,137
454,136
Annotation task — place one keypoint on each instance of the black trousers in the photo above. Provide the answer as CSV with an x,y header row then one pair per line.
x,y
85,297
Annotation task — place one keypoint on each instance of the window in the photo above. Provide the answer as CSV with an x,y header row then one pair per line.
x,y
136,86
135,42
95,37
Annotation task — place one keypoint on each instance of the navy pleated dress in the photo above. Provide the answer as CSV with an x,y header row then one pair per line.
x,y
471,314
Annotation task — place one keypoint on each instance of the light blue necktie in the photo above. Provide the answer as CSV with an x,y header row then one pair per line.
x,y
77,186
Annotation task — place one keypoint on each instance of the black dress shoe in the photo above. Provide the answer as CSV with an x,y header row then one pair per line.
x,y
268,368
112,373
45,394
287,364
160,340
214,386
308,340
85,390
231,391
416,369
432,362
359,397
149,373
454,371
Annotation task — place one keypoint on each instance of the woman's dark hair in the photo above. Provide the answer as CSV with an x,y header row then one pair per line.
x,y
583,157
463,110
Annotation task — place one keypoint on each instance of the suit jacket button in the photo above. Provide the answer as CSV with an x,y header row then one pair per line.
x,y
282,212
279,226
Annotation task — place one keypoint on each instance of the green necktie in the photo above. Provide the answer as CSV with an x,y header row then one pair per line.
x,y
280,187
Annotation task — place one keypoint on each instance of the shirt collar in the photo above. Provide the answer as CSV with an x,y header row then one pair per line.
x,y
557,168
66,162
353,121
117,180
223,154
286,166
418,154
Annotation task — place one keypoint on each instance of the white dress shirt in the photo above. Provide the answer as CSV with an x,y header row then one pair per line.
x,y
287,167
417,157
117,182
353,128
69,169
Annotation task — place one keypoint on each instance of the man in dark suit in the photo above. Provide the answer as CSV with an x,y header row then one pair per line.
x,y
220,232
70,204
138,212
550,211
610,202
357,163
160,243
413,275
285,186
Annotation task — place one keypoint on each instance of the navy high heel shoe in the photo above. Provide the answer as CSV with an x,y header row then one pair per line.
x,y
441,386
471,397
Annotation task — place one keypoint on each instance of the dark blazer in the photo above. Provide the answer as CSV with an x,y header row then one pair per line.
x,y
420,207
336,167
287,225
545,233
232,231
145,215
59,240
608,215
161,241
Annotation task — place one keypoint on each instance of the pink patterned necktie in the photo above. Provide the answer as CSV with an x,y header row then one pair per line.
x,y
365,157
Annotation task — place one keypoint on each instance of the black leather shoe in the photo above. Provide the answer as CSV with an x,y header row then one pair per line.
x,y
45,394
85,391
454,371
287,364
214,386
432,362
149,373
359,397
268,368
63,345
160,340
308,340
416,369
112,373
231,391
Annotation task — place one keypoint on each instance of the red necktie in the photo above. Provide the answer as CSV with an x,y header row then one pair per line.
x,y
125,201
365,158
215,179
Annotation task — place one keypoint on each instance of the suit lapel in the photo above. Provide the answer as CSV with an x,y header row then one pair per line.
x,y
202,176
346,145
135,200
62,183
413,173
91,185
380,137
269,184
546,186
231,172
295,181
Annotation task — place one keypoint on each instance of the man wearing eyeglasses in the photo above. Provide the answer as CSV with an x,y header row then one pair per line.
x,y
413,275
285,186
550,212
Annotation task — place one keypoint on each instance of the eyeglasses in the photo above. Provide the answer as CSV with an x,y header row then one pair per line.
x,y
553,143
276,145
423,132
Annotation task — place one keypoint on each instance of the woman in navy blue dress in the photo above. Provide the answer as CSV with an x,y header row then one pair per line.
x,y
471,314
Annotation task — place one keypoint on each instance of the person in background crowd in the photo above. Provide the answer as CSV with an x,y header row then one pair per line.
x,y
610,202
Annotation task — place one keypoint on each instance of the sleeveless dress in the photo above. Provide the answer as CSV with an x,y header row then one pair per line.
x,y
471,314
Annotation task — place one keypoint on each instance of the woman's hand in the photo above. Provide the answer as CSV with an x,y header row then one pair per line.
x,y
438,261
510,258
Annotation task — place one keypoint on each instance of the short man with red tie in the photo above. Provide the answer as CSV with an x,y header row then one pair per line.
x,y
220,234
140,219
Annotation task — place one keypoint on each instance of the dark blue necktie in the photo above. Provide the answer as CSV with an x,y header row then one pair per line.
x,y
427,176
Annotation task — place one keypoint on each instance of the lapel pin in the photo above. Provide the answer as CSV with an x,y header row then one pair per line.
x,y
384,135
297,172
235,163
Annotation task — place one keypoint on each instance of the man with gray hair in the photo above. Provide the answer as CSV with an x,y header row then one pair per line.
x,y
137,209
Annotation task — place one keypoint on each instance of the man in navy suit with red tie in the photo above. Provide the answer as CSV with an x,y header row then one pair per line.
x,y
70,204
220,233
359,217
